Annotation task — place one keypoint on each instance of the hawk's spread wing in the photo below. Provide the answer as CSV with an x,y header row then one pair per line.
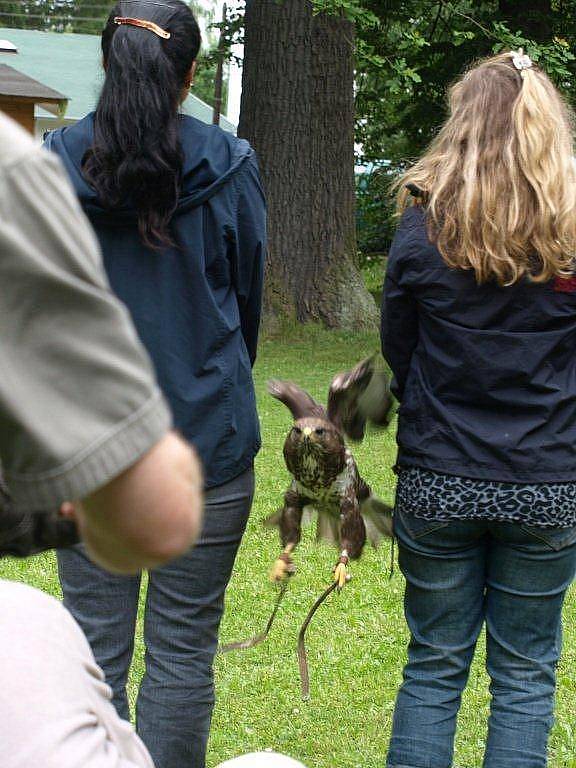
x,y
360,395
300,404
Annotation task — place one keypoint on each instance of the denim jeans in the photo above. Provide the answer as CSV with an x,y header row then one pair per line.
x,y
460,575
184,605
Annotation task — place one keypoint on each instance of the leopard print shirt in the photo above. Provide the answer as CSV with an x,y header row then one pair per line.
x,y
434,496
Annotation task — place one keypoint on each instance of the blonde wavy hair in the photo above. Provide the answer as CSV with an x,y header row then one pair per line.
x,y
499,180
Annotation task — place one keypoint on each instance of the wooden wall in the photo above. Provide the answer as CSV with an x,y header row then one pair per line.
x,y
20,110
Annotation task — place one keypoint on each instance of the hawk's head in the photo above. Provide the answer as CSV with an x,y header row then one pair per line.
x,y
314,449
315,443
312,435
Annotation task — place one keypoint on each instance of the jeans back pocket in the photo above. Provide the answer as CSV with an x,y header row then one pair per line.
x,y
555,538
417,527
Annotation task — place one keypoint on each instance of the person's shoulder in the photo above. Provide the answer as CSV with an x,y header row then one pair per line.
x,y
15,143
412,252
191,126
412,232
21,600
413,219
212,138
212,158
33,624
75,137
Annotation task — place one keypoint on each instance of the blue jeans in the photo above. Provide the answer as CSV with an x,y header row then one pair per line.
x,y
460,575
184,605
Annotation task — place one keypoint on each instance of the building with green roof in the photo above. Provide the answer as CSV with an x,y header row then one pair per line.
x,y
71,64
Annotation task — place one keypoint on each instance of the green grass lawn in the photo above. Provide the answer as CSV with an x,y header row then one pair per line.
x,y
357,640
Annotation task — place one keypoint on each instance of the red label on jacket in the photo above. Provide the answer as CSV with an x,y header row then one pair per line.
x,y
565,284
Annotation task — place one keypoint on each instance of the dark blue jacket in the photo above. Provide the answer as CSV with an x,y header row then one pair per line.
x,y
196,306
486,375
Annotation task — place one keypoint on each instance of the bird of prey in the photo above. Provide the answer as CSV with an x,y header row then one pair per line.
x,y
325,477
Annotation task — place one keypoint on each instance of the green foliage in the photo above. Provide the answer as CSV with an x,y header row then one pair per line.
x,y
408,52
231,29
407,62
374,211
204,82
357,641
354,10
554,56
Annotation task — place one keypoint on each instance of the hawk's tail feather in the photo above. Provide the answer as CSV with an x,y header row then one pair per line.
x,y
328,529
273,519
376,514
308,515
378,520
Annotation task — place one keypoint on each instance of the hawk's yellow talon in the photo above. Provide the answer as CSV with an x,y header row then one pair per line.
x,y
341,575
283,567
279,570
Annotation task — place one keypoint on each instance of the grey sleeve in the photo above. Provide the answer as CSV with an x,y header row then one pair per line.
x,y
78,398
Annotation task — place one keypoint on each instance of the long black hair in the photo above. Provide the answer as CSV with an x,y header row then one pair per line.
x,y
136,156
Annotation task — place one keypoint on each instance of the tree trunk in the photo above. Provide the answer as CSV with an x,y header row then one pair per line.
x,y
297,111
532,17
333,291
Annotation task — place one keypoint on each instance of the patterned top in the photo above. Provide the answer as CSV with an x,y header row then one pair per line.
x,y
435,496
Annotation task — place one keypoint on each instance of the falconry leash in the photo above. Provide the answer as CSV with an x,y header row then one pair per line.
x,y
302,657
243,645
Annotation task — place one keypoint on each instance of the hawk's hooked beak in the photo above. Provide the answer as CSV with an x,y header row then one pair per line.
x,y
306,431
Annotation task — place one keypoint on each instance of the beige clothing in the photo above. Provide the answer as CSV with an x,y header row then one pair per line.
x,y
78,399
262,760
55,709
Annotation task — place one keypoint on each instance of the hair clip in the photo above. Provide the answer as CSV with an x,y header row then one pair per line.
x,y
521,60
143,24
415,191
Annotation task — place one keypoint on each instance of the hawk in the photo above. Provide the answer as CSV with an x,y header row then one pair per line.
x,y
325,477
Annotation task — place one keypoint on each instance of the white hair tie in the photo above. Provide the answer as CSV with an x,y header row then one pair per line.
x,y
521,60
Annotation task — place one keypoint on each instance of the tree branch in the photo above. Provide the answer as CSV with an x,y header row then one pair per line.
x,y
437,19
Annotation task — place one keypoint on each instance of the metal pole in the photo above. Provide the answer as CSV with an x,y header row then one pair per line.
x,y
218,85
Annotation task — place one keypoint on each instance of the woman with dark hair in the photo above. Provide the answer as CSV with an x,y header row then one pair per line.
x,y
180,215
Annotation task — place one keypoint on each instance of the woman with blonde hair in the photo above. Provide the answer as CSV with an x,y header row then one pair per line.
x,y
479,328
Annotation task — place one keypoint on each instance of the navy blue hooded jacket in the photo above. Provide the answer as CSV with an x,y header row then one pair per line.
x,y
195,306
486,375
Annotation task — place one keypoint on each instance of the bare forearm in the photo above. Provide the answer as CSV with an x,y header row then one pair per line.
x,y
149,514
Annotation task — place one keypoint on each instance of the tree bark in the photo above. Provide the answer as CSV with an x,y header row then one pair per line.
x,y
333,291
298,112
532,17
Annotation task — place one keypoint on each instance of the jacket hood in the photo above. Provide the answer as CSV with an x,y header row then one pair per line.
x,y
212,157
